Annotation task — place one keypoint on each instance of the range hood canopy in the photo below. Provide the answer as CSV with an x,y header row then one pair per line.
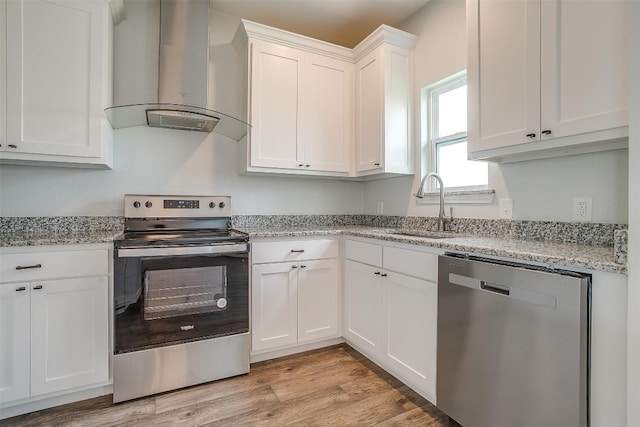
x,y
182,77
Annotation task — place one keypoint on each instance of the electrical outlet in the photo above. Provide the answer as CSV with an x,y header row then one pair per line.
x,y
380,208
582,208
505,206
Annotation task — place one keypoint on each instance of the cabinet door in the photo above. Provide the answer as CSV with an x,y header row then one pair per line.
x,y
585,51
15,336
503,74
69,333
274,305
326,113
318,302
409,330
398,144
54,80
363,307
369,112
276,81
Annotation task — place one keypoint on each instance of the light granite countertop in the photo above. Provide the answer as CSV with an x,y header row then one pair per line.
x,y
600,258
63,238
568,255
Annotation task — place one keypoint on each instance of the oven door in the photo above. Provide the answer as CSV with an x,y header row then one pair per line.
x,y
172,295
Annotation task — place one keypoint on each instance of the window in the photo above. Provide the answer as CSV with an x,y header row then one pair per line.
x,y
444,130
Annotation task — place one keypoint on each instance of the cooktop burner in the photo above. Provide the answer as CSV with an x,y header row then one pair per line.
x,y
150,238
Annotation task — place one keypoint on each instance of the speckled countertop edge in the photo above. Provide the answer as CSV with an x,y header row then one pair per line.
x,y
19,239
600,258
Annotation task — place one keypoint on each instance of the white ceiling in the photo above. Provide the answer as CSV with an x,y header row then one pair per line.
x,y
343,22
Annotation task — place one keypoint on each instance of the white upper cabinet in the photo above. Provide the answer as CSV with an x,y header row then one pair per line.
x,y
300,104
312,114
546,78
58,82
327,120
384,75
276,72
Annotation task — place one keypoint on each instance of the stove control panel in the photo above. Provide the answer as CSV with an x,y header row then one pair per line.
x,y
154,206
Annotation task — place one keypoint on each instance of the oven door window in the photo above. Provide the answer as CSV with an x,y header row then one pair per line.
x,y
170,300
182,291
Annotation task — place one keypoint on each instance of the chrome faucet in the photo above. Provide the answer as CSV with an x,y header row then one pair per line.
x,y
420,194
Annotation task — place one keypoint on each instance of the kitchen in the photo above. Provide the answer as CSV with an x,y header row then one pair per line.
x,y
155,161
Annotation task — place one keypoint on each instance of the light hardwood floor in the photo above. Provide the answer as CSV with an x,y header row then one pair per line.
x,y
335,386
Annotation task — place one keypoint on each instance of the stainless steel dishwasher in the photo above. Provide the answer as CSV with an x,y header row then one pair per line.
x,y
513,344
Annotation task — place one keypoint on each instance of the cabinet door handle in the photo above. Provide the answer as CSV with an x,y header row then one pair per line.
x,y
546,132
297,251
300,164
531,135
303,266
383,275
294,266
20,289
377,272
36,287
12,146
26,267
306,166
376,164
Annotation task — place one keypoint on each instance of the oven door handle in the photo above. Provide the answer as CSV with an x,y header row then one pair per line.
x,y
182,250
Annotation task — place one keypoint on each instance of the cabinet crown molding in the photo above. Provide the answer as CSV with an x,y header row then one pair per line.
x,y
385,34
287,38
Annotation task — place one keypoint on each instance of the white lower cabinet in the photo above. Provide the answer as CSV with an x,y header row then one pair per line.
x,y
294,301
409,318
391,317
54,332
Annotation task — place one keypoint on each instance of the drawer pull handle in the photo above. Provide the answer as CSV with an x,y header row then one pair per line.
x,y
303,266
376,164
377,272
36,287
294,266
26,267
13,146
21,288
384,275
297,251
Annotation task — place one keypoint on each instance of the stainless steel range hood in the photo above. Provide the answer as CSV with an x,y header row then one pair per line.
x,y
182,77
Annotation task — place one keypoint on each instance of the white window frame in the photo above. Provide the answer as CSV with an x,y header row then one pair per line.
x,y
428,125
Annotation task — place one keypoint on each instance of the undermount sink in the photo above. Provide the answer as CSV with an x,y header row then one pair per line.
x,y
429,234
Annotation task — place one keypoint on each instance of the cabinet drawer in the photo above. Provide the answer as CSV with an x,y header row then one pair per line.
x,y
368,253
411,263
293,250
94,262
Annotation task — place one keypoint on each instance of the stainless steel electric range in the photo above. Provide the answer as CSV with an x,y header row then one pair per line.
x,y
181,295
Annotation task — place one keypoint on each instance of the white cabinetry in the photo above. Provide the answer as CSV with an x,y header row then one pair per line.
x,y
58,81
300,104
384,70
54,318
542,81
295,292
390,309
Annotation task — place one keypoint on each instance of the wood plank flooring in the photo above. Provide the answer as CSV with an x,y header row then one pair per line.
x,y
334,386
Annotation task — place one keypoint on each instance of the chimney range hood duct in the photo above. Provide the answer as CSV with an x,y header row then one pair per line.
x,y
182,77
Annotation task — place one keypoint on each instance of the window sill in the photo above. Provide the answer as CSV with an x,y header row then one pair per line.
x,y
483,197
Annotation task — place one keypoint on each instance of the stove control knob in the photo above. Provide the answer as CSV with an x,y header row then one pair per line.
x,y
212,204
148,204
221,205
136,204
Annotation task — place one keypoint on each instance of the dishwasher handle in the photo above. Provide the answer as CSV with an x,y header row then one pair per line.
x,y
492,287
